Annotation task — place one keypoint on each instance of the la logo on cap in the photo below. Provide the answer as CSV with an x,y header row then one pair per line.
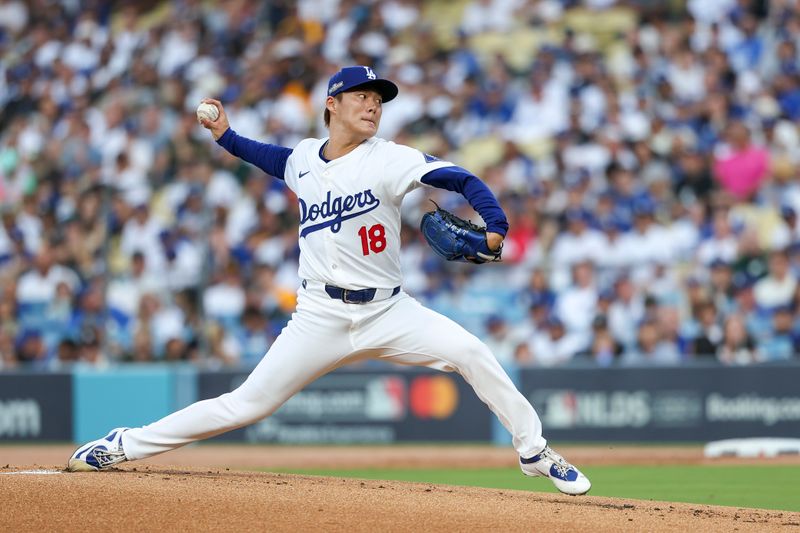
x,y
351,77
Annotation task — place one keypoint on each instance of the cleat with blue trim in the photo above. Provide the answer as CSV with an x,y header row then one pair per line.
x,y
564,476
99,454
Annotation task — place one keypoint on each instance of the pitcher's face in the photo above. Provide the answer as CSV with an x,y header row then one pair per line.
x,y
359,111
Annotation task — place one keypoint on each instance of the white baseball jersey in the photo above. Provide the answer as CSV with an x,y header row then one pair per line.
x,y
350,210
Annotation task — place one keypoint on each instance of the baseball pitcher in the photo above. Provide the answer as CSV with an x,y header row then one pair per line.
x,y
351,304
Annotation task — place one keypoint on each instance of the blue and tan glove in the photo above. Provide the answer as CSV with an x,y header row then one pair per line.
x,y
457,239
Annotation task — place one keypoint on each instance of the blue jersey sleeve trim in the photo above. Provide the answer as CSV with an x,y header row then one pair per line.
x,y
268,157
476,192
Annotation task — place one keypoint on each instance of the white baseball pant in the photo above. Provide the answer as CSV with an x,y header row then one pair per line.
x,y
324,334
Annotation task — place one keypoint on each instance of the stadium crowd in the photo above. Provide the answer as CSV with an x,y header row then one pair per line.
x,y
646,154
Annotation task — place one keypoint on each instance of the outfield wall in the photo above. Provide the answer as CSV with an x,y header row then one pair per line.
x,y
666,404
395,404
379,406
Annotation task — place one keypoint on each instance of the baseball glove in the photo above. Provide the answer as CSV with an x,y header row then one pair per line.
x,y
456,239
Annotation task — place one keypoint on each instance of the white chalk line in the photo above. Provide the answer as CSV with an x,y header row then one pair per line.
x,y
31,472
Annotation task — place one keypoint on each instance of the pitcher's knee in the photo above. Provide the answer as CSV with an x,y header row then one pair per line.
x,y
473,353
238,410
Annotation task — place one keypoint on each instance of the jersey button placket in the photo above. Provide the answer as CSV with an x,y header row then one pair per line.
x,y
330,238
336,272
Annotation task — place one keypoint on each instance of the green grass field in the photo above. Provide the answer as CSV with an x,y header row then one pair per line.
x,y
765,486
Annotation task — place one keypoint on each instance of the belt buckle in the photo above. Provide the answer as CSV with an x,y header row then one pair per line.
x,y
348,301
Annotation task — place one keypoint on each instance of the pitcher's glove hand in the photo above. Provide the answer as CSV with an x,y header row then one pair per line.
x,y
457,239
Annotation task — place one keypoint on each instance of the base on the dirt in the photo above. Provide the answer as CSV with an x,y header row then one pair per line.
x,y
753,447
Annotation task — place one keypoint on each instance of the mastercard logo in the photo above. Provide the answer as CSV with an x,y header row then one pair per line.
x,y
433,397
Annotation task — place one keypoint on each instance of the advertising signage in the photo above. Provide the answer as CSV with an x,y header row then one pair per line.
x,y
35,407
666,404
350,406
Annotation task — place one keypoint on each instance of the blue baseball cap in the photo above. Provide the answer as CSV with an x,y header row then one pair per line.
x,y
351,77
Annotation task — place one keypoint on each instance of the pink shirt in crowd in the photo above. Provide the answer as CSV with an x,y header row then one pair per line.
x,y
741,173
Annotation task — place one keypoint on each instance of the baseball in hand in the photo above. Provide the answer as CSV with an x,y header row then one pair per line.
x,y
207,112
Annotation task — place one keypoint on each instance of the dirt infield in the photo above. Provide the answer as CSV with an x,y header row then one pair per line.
x,y
203,488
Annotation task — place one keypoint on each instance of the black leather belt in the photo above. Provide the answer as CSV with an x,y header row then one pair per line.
x,y
354,297
360,296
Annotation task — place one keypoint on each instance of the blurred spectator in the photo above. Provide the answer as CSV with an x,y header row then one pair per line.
x,y
788,231
522,355
554,345
9,327
669,326
176,349
648,243
90,312
663,284
30,348
747,52
721,284
739,165
737,346
685,76
604,349
579,243
778,287
142,233
142,349
124,293
626,310
616,250
37,286
757,321
692,175
722,244
225,300
166,322
535,320
218,350
780,344
90,347
488,16
59,315
500,340
651,348
708,337
541,111
575,306
248,344
67,354
14,258
538,289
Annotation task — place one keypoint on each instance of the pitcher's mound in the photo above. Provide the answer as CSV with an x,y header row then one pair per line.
x,y
157,498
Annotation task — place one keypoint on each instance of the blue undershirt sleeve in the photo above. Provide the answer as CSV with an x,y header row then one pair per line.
x,y
476,192
268,157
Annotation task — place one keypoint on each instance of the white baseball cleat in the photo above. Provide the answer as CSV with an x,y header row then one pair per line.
x,y
564,476
99,454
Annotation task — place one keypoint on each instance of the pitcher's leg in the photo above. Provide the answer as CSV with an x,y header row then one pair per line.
x,y
202,420
409,333
304,351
